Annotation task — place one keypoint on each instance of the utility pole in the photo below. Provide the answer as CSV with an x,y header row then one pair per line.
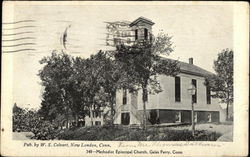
x,y
192,91
193,125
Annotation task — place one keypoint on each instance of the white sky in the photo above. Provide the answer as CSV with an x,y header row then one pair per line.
x,y
200,32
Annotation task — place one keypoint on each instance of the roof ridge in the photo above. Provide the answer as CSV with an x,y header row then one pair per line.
x,y
191,68
142,18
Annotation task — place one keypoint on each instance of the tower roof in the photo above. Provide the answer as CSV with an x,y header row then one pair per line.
x,y
143,19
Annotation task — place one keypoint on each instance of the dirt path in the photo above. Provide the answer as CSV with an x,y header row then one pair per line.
x,y
22,135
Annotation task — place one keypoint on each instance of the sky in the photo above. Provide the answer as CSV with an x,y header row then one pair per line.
x,y
199,31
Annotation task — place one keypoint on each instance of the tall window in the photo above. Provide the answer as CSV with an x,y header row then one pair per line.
x,y
136,34
194,97
177,89
145,33
124,97
208,95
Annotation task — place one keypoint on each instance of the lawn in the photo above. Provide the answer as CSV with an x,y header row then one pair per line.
x,y
219,128
104,133
204,132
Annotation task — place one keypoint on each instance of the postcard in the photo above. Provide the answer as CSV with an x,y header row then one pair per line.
x,y
124,78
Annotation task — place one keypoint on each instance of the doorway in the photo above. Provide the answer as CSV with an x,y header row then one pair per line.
x,y
125,118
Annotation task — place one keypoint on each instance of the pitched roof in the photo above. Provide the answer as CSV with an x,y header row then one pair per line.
x,y
192,69
141,19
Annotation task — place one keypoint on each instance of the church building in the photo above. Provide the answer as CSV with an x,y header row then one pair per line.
x,y
173,104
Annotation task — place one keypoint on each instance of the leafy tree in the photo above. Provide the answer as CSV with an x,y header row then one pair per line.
x,y
80,92
110,80
90,76
222,83
142,63
56,78
76,86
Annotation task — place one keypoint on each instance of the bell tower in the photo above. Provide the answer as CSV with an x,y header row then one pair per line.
x,y
142,29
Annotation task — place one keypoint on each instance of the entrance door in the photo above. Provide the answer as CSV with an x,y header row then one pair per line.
x,y
125,118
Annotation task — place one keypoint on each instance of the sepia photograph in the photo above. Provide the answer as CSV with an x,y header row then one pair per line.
x,y
120,72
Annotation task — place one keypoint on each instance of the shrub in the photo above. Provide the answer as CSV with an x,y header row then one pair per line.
x,y
45,131
25,120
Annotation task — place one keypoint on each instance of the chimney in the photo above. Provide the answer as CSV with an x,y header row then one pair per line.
x,y
191,61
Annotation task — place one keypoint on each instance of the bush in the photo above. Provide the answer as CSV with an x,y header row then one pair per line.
x,y
29,121
45,131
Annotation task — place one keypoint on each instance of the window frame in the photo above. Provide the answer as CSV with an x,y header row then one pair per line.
x,y
136,34
209,117
177,89
124,97
178,114
208,94
145,33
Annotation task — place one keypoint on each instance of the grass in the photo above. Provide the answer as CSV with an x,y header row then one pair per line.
x,y
105,133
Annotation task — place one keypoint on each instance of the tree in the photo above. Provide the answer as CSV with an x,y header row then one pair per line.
x,y
93,78
80,93
142,63
221,84
77,86
110,80
56,78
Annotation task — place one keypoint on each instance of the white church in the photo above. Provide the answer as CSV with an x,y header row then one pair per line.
x,y
173,104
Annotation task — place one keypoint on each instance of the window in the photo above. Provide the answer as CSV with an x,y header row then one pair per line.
x,y
209,117
194,97
145,33
208,95
96,114
178,116
128,41
136,34
117,41
177,89
125,118
97,122
124,97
